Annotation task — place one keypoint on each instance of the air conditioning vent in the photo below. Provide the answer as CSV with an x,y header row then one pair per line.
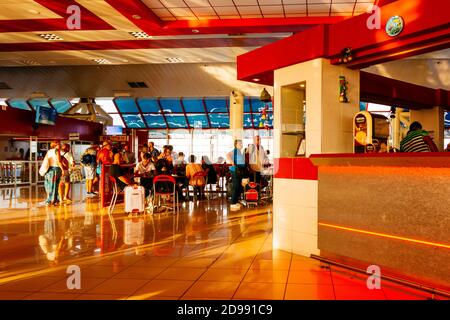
x,y
139,84
4,86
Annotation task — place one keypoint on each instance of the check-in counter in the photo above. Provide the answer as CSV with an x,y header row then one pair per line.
x,y
390,210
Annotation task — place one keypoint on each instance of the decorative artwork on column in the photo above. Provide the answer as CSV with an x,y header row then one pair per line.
x,y
343,88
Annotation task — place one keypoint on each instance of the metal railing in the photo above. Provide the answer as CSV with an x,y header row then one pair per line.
x,y
20,172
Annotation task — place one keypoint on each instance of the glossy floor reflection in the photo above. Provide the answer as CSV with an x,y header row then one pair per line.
x,y
204,252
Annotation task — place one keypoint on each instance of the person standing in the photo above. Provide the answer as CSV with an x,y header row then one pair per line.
x,y
237,169
89,162
67,164
257,157
128,156
417,140
52,167
154,153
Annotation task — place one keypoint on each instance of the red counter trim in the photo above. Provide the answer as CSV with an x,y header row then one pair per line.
x,y
295,168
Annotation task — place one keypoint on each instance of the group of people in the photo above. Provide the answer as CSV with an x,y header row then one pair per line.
x,y
127,170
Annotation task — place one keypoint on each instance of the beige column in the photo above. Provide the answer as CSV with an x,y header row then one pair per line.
x,y
237,114
432,120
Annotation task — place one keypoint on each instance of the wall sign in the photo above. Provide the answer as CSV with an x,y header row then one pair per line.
x,y
394,26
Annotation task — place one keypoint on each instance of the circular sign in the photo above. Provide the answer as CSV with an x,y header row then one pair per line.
x,y
394,26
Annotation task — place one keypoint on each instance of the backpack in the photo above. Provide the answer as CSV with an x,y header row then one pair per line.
x,y
88,159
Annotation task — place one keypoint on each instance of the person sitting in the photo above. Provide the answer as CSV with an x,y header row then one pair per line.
x,y
197,182
145,171
117,171
166,154
209,169
417,140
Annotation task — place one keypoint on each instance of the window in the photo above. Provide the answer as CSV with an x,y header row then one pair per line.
x,y
193,105
149,105
126,105
133,121
42,102
198,120
155,121
18,104
61,105
176,121
216,105
171,105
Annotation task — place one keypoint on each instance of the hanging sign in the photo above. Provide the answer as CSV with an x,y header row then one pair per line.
x,y
74,136
394,26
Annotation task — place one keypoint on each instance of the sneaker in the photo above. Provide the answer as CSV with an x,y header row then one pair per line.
x,y
235,207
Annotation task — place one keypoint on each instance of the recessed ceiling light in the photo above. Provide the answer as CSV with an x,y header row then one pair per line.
x,y
140,35
33,11
256,79
174,60
302,85
102,61
50,37
124,60
136,16
195,31
31,62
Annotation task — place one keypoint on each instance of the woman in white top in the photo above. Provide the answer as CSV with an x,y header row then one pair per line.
x,y
52,161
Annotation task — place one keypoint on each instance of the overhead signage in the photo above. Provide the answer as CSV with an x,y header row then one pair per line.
x,y
74,136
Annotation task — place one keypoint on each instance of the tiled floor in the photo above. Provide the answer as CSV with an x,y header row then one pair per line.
x,y
205,252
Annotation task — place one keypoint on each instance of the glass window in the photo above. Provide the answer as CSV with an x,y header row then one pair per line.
x,y
198,120
117,120
126,105
149,105
19,104
171,105
176,121
216,104
219,120
133,121
42,102
447,119
61,105
259,123
155,120
106,104
181,142
247,104
193,105
248,120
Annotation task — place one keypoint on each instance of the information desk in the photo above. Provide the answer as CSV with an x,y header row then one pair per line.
x,y
389,210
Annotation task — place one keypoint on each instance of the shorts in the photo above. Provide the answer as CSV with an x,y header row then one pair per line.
x,y
89,172
65,178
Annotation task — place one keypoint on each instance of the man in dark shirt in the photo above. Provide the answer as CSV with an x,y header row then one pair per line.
x,y
417,140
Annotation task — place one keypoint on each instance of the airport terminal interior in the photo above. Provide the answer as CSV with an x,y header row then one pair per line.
x,y
224,150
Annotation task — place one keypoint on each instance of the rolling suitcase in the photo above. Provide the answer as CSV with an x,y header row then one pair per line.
x,y
134,199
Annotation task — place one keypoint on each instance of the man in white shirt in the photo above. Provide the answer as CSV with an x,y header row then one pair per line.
x,y
257,157
145,170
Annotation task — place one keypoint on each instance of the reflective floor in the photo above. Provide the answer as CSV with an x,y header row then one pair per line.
x,y
204,252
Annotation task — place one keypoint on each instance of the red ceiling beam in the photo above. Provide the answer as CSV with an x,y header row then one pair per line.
x,y
136,44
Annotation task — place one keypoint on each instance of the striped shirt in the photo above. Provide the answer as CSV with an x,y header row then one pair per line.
x,y
414,142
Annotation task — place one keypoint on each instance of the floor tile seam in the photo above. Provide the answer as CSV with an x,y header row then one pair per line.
x,y
287,279
147,282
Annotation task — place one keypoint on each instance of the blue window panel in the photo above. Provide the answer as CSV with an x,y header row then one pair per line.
x,y
155,121
42,102
176,121
19,104
247,104
126,105
248,121
219,120
171,105
193,105
447,119
216,105
149,105
133,121
198,120
257,120
61,105
258,105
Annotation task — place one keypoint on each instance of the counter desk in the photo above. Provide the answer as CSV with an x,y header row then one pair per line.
x,y
390,210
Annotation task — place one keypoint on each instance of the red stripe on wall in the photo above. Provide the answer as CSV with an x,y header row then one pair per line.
x,y
295,168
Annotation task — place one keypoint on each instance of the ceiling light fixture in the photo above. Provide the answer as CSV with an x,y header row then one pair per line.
x,y
102,61
140,35
50,37
32,11
174,60
136,16
195,31
256,79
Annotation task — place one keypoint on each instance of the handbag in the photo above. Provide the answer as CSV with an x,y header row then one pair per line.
x,y
76,175
44,167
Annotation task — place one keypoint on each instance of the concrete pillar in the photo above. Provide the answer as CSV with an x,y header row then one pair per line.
x,y
328,126
432,120
237,114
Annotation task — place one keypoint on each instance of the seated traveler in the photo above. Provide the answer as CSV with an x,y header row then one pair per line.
x,y
117,171
197,182
417,140
145,171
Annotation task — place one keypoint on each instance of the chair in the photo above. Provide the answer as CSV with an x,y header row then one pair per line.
x,y
114,196
172,191
196,175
